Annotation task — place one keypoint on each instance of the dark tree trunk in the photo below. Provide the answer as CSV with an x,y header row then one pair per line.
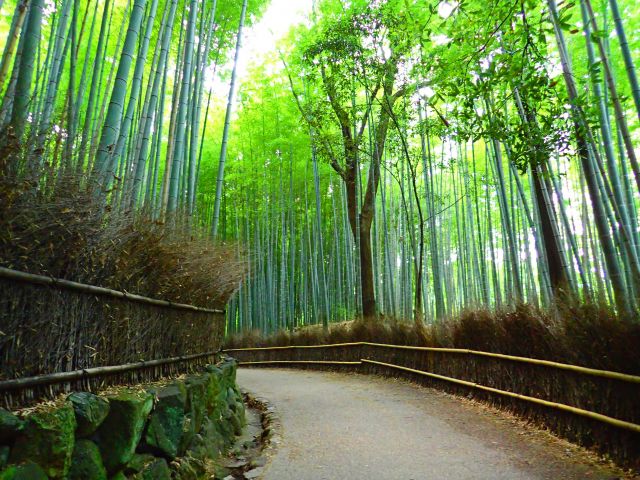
x,y
366,272
555,262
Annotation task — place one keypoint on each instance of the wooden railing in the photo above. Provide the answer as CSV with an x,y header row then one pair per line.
x,y
351,361
24,277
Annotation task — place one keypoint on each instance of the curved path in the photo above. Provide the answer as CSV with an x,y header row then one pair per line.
x,y
352,427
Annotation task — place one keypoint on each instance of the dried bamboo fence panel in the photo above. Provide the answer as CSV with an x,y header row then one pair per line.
x,y
48,328
531,388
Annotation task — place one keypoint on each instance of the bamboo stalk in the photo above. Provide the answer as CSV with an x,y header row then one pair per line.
x,y
24,277
303,362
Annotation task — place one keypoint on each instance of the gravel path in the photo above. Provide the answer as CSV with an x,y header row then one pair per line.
x,y
352,427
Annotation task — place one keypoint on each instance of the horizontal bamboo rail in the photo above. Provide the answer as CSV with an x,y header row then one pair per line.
x,y
533,361
303,362
62,377
31,278
559,406
291,347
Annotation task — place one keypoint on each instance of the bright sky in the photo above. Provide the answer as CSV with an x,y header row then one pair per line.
x,y
279,17
262,37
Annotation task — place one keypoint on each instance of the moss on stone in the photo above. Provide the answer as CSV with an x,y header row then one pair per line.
x,y
120,433
25,471
48,440
214,387
166,424
90,410
155,470
228,367
215,440
10,426
4,456
189,468
138,462
86,462
194,421
197,387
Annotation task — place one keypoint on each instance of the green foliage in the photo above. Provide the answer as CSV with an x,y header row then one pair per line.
x,y
470,134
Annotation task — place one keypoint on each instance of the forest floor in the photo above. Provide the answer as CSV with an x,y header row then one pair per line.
x,y
339,426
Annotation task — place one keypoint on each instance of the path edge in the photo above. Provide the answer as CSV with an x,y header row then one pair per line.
x,y
271,428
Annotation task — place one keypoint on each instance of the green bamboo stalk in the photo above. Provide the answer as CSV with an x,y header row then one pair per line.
x,y
227,123
24,68
113,120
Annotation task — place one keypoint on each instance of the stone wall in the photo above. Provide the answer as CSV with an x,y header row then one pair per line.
x,y
161,431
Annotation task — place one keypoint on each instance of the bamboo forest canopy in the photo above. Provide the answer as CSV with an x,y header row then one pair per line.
x,y
389,158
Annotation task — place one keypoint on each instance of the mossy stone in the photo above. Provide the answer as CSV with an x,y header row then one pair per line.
x,y
188,432
234,424
238,421
214,387
197,387
198,448
166,423
213,369
4,456
138,462
231,397
189,468
26,471
155,470
86,462
221,404
215,440
10,426
120,433
228,367
239,409
224,426
90,410
48,440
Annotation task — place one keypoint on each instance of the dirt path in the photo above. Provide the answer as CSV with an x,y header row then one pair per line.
x,y
352,427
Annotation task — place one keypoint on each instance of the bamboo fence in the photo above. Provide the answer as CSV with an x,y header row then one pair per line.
x,y
590,406
58,335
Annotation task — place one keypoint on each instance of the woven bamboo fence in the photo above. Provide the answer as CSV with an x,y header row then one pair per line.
x,y
595,408
50,328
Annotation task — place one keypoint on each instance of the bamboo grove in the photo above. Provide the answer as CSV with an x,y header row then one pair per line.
x,y
389,158
414,159
115,91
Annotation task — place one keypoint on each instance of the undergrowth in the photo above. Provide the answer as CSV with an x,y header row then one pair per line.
x,y
587,334
64,230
